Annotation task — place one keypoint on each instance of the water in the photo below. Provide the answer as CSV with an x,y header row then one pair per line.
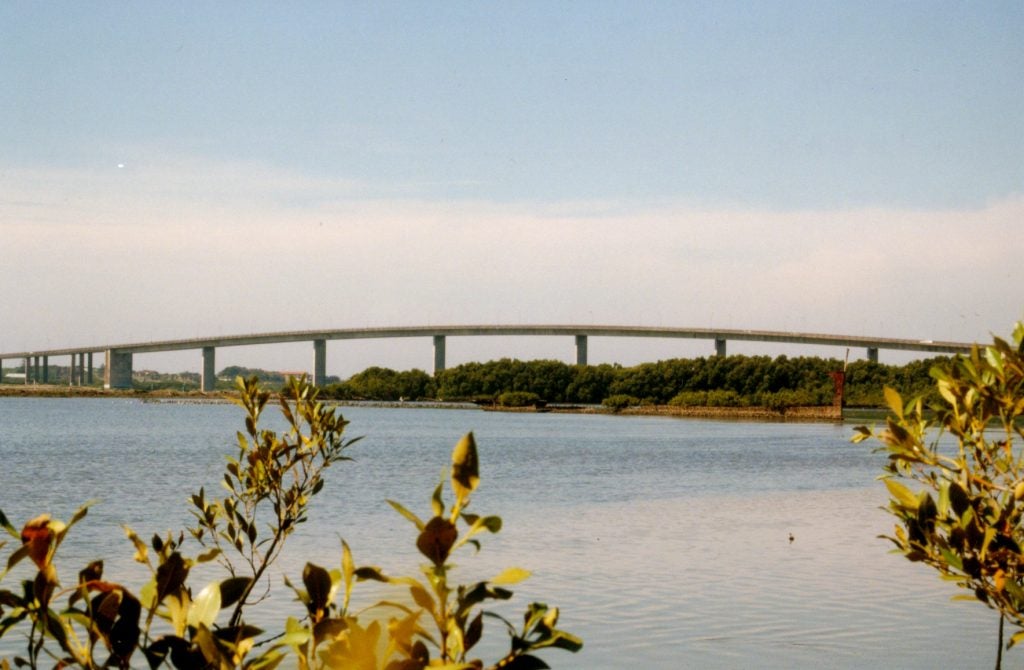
x,y
665,542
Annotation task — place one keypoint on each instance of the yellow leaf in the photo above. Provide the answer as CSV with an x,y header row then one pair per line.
x,y
895,402
203,610
465,467
945,392
510,576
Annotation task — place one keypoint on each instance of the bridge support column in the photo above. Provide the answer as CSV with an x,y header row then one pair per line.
x,y
581,350
438,354
46,369
118,371
89,379
36,367
319,362
208,380
719,346
873,354
28,368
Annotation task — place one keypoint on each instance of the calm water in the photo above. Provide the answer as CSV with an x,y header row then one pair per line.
x,y
663,541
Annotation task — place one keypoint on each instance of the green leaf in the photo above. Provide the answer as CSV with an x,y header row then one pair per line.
x,y
79,514
567,641
15,557
170,576
266,661
318,585
295,634
959,499
327,629
474,631
491,523
370,572
11,530
901,494
436,501
994,358
943,504
526,662
208,556
348,565
232,589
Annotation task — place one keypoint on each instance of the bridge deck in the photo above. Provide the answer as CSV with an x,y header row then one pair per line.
x,y
482,330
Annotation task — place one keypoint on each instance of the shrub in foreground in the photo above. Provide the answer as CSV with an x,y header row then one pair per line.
x,y
959,503
95,622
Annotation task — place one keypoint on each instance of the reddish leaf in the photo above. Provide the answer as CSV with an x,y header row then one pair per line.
x,y
437,539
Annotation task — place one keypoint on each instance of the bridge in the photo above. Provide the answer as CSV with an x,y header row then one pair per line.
x,y
118,357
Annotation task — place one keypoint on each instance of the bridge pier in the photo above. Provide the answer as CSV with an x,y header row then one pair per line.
x,y
46,369
581,350
319,362
89,377
719,346
118,371
438,354
873,354
208,380
28,368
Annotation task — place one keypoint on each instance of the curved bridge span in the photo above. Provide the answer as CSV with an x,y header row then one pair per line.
x,y
118,357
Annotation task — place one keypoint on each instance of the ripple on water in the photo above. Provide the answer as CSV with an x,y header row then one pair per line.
x,y
714,582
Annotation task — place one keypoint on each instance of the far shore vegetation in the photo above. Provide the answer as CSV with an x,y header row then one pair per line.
x,y
730,381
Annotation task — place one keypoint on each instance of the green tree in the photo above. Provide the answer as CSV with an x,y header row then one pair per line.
x,y
959,507
590,383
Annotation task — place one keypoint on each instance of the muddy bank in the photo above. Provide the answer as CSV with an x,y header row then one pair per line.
x,y
749,413
828,413
61,391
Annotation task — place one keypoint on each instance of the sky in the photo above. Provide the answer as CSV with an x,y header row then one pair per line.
x,y
190,169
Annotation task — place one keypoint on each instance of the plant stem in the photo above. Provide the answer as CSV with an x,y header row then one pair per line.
x,y
999,649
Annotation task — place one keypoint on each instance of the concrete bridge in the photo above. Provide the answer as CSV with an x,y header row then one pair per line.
x,y
118,357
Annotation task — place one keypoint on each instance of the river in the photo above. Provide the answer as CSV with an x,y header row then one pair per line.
x,y
665,542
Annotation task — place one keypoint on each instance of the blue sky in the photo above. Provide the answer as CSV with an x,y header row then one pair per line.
x,y
192,169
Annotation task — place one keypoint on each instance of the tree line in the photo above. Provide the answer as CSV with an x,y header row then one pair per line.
x,y
716,381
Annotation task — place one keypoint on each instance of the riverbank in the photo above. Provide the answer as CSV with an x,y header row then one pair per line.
x,y
811,414
61,391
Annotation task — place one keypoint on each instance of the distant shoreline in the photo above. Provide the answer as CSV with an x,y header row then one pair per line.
x,y
61,391
803,414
